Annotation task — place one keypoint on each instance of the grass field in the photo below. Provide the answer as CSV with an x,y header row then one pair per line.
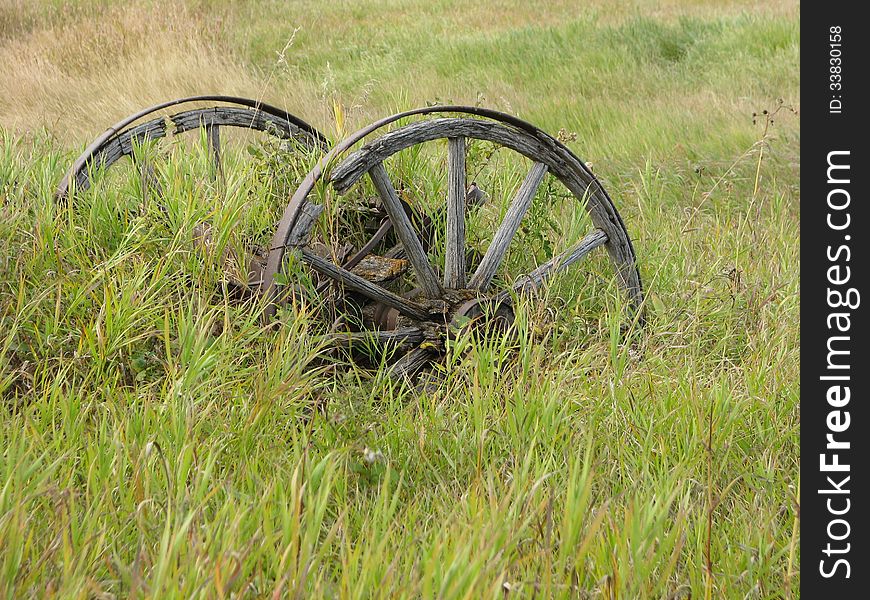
x,y
157,441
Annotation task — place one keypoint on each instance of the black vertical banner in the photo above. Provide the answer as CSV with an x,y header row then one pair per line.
x,y
835,425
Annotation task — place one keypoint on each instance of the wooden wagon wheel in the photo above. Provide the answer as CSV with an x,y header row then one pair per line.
x,y
421,317
213,112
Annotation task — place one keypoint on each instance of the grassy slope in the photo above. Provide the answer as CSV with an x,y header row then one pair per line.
x,y
156,440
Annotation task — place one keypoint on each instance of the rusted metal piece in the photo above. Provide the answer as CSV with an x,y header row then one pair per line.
x,y
496,313
411,363
118,140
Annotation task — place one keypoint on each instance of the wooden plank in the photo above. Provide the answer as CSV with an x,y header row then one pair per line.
x,y
474,196
454,251
410,363
363,286
405,232
402,335
213,136
557,264
301,232
501,241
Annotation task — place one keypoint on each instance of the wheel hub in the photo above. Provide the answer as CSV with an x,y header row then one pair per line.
x,y
457,311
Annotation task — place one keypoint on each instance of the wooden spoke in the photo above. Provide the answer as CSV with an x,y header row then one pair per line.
x,y
148,181
402,335
502,239
410,363
454,251
301,232
405,232
213,135
363,286
557,264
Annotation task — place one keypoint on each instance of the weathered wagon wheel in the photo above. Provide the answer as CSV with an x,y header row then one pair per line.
x,y
213,112
421,318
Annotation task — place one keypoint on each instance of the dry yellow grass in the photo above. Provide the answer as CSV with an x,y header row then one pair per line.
x,y
78,76
76,67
